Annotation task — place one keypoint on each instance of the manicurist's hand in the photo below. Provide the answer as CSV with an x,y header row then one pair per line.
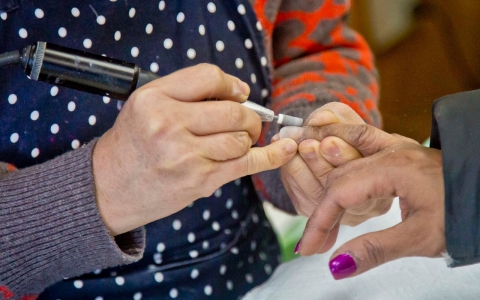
x,y
392,166
305,176
168,148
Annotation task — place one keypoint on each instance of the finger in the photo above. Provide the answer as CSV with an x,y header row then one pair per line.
x,y
334,112
310,152
413,237
332,238
296,194
260,159
201,82
210,117
338,152
223,146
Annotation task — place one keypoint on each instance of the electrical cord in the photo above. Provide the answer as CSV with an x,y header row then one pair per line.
x,y
9,58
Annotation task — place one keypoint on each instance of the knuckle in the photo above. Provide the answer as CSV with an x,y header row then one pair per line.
x,y
236,113
375,253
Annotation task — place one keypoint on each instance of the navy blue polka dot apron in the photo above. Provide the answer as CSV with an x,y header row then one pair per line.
x,y
219,247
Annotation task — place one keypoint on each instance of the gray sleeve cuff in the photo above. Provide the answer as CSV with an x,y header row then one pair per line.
x,y
50,227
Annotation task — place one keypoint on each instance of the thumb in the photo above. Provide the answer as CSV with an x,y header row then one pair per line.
x,y
260,159
409,238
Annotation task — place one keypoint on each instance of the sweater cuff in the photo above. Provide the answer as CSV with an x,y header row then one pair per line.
x,y
50,226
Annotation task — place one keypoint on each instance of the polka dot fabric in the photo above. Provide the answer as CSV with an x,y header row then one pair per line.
x,y
219,247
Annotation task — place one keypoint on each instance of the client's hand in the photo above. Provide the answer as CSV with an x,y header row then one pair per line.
x,y
168,148
393,166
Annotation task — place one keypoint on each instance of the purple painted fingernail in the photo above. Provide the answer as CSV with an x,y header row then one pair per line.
x,y
342,266
297,247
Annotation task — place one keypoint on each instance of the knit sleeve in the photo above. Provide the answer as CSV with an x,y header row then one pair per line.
x,y
316,59
50,227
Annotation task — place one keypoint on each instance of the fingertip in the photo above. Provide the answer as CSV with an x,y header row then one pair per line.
x,y
275,138
342,266
244,88
323,118
292,132
290,146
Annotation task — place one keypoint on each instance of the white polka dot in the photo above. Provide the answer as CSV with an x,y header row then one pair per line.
x,y
253,78
238,181
177,224
134,51
250,259
223,269
12,99
131,12
119,105
75,144
161,5
159,277
253,245
259,26
119,280
137,296
23,33
62,32
208,290
235,214
78,284
241,9
71,106
167,43
149,28
218,193
54,91
239,63
101,20
54,128
154,67
194,274
248,44
268,269
234,250
229,285
99,298
264,93
206,214
263,61
75,12
87,43
92,120
3,16
161,247
262,256
249,278
157,258
191,237
173,293
35,152
201,30
231,25
14,138
117,36
216,226
193,253
220,46
191,53
34,115
227,231
255,218
229,203
39,13
211,7
180,17
97,271
106,99
205,245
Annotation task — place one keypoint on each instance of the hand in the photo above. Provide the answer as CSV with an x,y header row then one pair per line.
x,y
393,166
168,148
304,177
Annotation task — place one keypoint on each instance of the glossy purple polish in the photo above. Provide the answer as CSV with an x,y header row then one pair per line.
x,y
342,266
297,248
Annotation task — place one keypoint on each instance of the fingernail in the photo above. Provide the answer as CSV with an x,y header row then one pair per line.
x,y
297,247
291,132
331,149
244,88
291,147
275,138
342,266
323,118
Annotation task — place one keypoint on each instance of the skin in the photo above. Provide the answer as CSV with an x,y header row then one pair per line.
x,y
392,166
168,148
305,176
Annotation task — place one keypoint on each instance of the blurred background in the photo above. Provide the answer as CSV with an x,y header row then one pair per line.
x,y
425,49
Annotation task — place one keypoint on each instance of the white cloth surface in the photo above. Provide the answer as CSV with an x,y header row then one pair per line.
x,y
407,278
